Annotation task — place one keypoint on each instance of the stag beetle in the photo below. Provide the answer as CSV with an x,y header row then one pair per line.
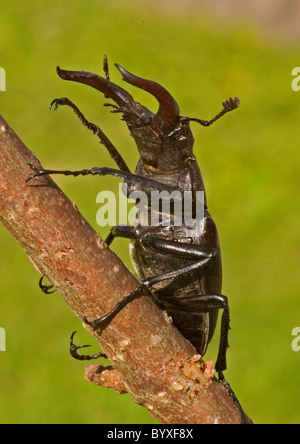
x,y
183,273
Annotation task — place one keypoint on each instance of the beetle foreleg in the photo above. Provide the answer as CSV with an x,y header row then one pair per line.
x,y
96,130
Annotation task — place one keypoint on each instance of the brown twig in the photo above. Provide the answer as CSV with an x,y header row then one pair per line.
x,y
151,359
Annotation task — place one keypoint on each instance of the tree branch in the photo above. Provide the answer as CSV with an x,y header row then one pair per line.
x,y
151,359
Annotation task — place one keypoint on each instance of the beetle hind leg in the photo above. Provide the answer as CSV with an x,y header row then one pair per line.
x,y
201,304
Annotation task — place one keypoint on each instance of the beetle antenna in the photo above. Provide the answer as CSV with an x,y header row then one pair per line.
x,y
228,105
105,67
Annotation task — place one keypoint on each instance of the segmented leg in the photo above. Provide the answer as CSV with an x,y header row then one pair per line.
x,y
46,288
244,419
202,303
74,354
104,171
147,283
124,231
96,130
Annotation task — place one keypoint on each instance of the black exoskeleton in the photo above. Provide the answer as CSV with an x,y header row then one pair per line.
x,y
183,272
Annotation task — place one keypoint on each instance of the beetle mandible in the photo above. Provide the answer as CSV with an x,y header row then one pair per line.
x,y
183,273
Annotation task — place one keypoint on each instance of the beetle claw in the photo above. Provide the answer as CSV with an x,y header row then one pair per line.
x,y
46,288
37,172
74,348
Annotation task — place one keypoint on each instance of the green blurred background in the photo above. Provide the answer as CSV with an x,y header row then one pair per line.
x,y
250,164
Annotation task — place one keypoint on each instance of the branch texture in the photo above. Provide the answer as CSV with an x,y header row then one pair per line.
x,y
151,359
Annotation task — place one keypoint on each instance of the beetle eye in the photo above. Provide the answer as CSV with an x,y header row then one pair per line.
x,y
181,141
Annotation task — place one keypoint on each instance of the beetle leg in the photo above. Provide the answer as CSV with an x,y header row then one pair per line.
x,y
74,354
185,251
46,288
147,283
191,252
120,231
204,303
244,418
96,130
200,302
102,322
104,171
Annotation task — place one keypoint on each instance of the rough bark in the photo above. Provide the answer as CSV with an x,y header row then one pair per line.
x,y
151,359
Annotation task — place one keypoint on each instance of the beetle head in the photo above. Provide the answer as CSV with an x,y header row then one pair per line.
x,y
164,139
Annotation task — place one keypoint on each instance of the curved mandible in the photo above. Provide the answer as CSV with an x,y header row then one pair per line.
x,y
168,112
109,89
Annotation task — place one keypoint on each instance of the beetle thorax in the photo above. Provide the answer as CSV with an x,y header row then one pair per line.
x,y
160,151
